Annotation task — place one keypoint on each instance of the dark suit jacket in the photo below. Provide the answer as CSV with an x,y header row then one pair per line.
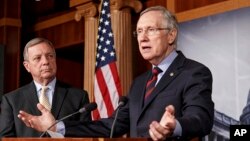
x,y
66,100
187,85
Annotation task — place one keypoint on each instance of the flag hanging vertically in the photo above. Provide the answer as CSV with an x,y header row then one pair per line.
x,y
107,88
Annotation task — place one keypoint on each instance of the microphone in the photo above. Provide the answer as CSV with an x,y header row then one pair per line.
x,y
122,101
88,108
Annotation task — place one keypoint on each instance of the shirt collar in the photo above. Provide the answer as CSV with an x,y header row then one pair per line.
x,y
165,63
51,85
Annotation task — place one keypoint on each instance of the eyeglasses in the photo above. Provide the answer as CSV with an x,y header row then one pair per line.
x,y
149,31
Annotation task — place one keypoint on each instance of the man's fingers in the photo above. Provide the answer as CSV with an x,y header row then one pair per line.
x,y
168,118
170,109
25,121
31,124
157,131
152,135
24,114
24,117
41,108
152,132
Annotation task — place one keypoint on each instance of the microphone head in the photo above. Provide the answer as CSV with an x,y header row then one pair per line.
x,y
122,101
89,107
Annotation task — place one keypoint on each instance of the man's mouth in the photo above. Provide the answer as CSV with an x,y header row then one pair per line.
x,y
146,47
46,70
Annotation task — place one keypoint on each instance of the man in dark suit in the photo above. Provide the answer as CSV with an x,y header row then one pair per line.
x,y
40,61
172,101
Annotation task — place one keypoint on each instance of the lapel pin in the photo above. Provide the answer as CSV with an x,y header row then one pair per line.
x,y
171,74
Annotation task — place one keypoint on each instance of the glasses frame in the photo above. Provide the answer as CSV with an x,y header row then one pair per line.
x,y
149,31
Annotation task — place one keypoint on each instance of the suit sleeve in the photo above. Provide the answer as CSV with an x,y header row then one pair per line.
x,y
85,100
7,125
198,107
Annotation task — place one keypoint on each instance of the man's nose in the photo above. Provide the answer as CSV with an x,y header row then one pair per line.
x,y
143,36
45,59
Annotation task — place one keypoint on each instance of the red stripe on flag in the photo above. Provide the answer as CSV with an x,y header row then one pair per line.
x,y
95,114
104,91
116,78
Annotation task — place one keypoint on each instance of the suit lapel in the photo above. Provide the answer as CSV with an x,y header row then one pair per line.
x,y
32,98
139,92
58,99
172,72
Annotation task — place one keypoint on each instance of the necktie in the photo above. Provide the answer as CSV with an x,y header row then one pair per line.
x,y
43,99
152,81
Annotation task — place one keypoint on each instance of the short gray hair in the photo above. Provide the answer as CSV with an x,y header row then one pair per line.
x,y
169,18
36,41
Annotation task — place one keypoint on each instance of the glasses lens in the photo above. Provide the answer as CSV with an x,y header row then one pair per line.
x,y
135,34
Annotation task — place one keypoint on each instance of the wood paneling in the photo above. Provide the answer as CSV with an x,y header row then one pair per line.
x,y
12,8
12,58
10,22
184,5
2,9
148,3
212,9
70,71
2,35
73,3
64,35
51,22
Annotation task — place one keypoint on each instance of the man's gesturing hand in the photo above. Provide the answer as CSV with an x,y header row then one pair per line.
x,y
164,129
40,123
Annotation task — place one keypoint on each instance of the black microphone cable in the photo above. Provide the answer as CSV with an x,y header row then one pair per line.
x,y
123,100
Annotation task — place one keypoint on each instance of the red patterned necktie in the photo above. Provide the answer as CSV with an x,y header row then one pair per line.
x,y
152,81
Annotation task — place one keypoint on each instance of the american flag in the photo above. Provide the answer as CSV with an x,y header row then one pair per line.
x,y
107,88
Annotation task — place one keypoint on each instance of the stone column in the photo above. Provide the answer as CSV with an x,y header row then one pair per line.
x,y
89,11
121,25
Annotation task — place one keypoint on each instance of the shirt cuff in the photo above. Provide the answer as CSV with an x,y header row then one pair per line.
x,y
177,130
60,128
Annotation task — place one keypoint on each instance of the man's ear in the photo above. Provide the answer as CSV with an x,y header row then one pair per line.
x,y
26,65
172,36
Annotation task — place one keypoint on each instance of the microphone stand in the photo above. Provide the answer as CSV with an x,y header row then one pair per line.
x,y
113,124
122,101
58,122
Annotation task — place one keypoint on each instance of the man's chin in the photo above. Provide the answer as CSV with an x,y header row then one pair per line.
x,y
147,57
48,76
